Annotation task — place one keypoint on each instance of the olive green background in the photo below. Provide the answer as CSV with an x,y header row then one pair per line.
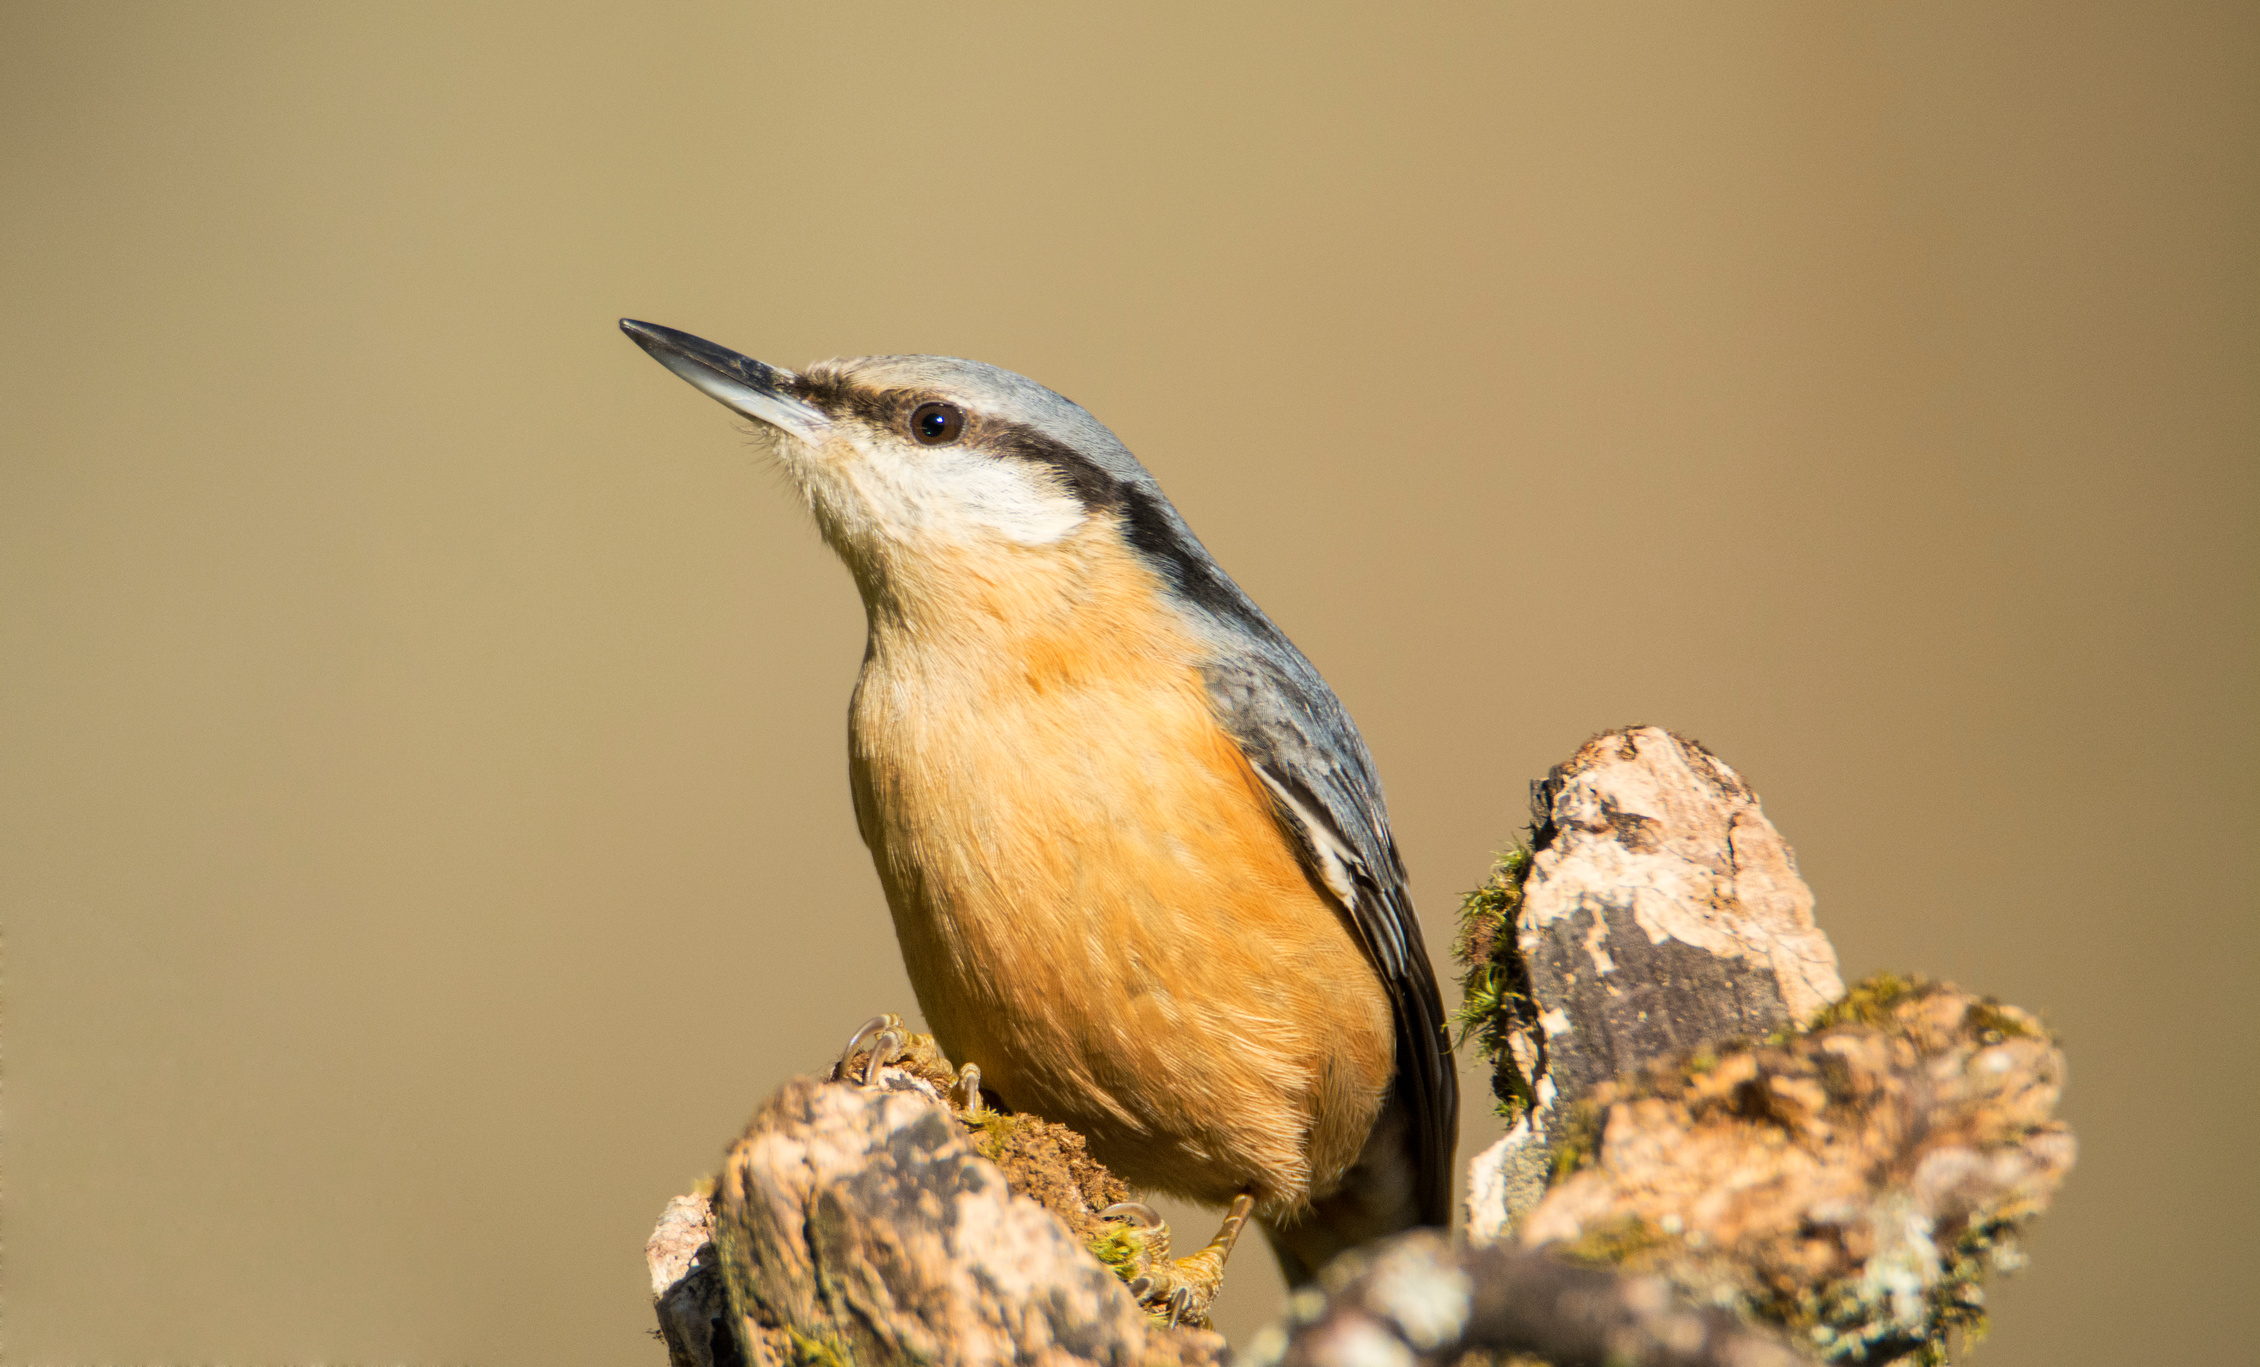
x,y
423,822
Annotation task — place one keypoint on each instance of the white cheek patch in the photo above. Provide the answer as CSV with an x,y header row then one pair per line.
x,y
1015,498
955,494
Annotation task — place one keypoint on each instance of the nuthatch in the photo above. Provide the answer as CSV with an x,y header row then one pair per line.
x,y
1134,847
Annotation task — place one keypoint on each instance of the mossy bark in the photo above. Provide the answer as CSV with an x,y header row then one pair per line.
x,y
871,1225
1658,909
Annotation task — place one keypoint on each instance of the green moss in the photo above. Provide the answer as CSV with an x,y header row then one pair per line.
x,y
1957,1302
1127,1253
1989,1024
1580,1144
1873,1001
1122,1247
1870,1002
992,1131
811,1350
1624,1243
1494,984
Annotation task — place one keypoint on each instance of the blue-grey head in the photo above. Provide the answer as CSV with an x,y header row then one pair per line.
x,y
914,463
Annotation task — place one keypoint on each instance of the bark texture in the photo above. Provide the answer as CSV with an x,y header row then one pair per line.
x,y
1661,909
686,1287
1853,1183
1418,1299
1698,1099
862,1225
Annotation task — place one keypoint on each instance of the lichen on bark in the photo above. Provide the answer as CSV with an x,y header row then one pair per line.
x,y
1852,1182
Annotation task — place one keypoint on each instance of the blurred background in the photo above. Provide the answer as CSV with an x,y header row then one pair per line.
x,y
425,834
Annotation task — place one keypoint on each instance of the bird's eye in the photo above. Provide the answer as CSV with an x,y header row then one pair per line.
x,y
937,424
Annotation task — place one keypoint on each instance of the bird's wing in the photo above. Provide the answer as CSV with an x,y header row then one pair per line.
x,y
1300,740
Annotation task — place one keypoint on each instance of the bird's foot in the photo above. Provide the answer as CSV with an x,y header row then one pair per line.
x,y
1177,1290
885,1042
880,1041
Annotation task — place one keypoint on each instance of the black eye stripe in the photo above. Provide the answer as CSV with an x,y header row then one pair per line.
x,y
1091,485
937,424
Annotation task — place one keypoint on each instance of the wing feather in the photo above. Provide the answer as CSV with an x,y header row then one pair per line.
x,y
1300,740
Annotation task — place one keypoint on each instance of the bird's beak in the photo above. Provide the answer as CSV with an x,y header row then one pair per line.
x,y
740,383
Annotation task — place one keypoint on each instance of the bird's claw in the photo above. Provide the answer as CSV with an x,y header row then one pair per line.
x,y
1138,1211
885,1042
1179,1290
965,1095
1172,1299
885,1036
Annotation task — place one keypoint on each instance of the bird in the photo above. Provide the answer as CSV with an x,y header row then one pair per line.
x,y
1134,848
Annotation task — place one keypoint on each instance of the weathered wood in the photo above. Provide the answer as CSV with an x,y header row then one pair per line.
x,y
1690,1109
1849,1185
1418,1299
1662,909
686,1287
860,1225
1853,1183
856,1226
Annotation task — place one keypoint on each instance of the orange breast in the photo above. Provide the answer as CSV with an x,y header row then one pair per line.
x,y
1097,904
